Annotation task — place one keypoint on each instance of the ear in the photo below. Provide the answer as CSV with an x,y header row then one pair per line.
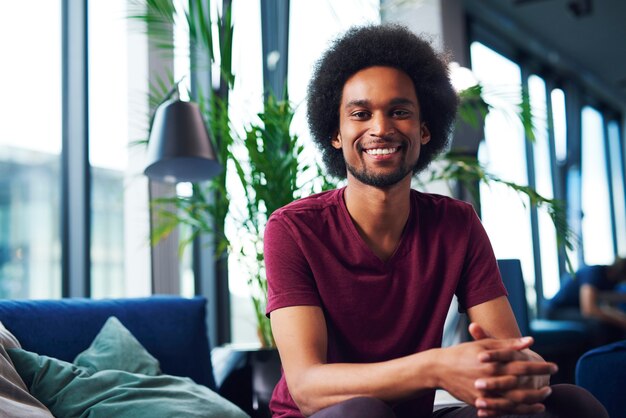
x,y
336,140
425,134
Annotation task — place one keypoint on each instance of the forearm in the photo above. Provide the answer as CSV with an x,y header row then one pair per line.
x,y
322,385
608,314
612,297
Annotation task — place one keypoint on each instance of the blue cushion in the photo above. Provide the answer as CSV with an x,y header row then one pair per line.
x,y
602,371
171,328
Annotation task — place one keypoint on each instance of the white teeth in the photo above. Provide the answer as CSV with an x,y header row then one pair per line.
x,y
381,151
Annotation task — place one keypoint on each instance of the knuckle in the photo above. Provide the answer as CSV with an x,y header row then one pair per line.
x,y
505,382
491,369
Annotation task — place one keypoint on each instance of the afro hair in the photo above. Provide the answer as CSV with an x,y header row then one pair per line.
x,y
380,45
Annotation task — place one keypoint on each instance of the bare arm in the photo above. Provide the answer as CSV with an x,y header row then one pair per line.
x,y
301,337
591,307
612,297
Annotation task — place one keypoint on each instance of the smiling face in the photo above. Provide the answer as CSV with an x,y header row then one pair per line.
x,y
380,130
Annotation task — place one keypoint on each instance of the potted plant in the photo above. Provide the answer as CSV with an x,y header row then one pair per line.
x,y
271,176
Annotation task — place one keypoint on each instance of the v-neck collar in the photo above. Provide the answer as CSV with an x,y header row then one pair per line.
x,y
361,242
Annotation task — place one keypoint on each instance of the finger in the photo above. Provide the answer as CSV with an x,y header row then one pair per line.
x,y
528,368
487,413
513,399
501,356
505,356
477,332
515,344
497,384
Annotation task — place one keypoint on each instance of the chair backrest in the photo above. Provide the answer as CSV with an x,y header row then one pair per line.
x,y
511,272
601,371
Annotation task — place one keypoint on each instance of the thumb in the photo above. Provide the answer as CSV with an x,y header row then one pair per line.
x,y
477,332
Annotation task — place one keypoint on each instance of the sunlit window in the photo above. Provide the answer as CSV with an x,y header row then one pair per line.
x,y
617,175
119,216
505,213
30,150
559,124
543,185
596,222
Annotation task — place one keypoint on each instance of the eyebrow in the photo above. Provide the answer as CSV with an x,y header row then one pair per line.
x,y
394,102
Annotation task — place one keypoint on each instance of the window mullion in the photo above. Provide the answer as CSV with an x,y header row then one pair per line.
x,y
75,155
534,219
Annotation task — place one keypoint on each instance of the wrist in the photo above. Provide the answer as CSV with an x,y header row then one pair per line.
x,y
434,368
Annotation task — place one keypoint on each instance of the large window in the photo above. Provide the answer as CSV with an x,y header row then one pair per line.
x,y
246,100
505,213
577,156
619,188
30,150
596,206
542,156
119,249
32,156
108,144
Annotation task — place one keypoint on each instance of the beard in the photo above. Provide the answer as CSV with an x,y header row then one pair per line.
x,y
379,180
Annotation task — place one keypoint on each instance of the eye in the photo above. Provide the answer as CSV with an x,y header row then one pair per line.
x,y
360,114
401,113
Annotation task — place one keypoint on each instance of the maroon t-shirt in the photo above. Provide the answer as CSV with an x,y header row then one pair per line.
x,y
377,310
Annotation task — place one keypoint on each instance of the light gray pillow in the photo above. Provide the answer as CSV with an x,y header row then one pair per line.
x,y
15,400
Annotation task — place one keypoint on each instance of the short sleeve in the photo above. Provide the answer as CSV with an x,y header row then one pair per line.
x,y
594,276
480,278
289,276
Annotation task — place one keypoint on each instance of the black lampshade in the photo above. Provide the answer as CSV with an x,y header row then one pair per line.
x,y
179,148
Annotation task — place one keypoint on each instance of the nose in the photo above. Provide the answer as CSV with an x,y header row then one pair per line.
x,y
381,125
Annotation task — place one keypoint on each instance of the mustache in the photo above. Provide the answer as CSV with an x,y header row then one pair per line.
x,y
386,142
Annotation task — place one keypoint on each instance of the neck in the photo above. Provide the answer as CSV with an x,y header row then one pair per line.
x,y
379,214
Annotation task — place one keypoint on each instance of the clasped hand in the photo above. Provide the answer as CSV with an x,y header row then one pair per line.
x,y
497,376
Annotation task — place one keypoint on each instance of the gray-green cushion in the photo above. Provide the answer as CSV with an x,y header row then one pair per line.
x,y
90,389
115,348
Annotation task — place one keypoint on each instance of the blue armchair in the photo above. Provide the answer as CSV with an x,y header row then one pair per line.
x,y
602,371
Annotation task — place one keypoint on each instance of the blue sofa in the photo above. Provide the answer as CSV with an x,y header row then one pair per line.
x,y
172,329
602,371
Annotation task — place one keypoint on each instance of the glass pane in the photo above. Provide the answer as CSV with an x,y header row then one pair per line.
x,y
182,73
543,185
559,124
246,101
119,242
617,175
596,222
30,150
504,212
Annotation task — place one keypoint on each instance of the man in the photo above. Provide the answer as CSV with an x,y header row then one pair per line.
x,y
360,278
593,291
